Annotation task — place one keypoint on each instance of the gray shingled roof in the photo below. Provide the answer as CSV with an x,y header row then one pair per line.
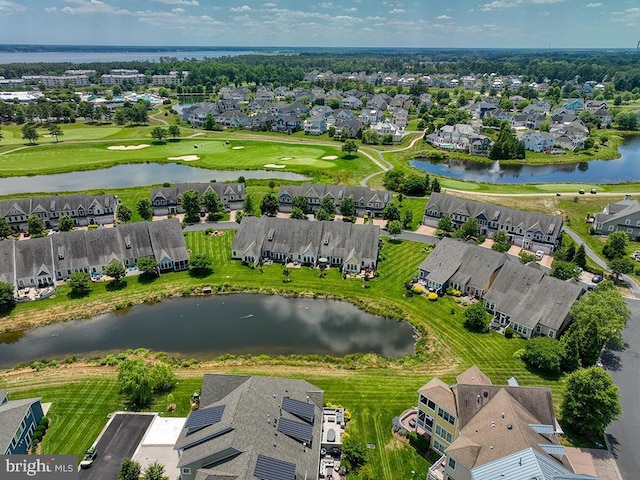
x,y
172,193
252,405
449,204
338,192
167,240
618,210
513,281
11,414
443,262
55,203
7,273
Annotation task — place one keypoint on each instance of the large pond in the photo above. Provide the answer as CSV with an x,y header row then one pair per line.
x,y
204,327
623,169
131,175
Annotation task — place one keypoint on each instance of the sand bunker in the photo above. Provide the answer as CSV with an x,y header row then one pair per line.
x,y
128,147
186,158
286,158
273,165
330,157
237,148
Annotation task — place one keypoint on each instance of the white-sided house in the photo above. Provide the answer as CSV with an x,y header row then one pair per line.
x,y
315,125
538,141
168,200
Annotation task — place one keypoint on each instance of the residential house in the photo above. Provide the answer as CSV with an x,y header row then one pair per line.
x,y
481,428
460,137
261,122
379,102
538,141
18,421
529,230
538,107
172,78
462,266
338,115
233,119
367,201
83,209
370,116
349,128
343,244
197,113
351,103
386,128
315,125
574,104
622,216
168,200
40,262
286,124
484,108
321,111
249,427
240,94
400,118
531,302
264,93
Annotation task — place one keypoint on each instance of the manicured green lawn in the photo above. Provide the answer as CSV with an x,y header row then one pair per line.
x,y
316,160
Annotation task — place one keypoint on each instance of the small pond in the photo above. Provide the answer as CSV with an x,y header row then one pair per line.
x,y
620,170
204,327
132,175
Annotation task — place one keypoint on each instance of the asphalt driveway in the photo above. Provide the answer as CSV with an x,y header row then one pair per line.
x,y
119,441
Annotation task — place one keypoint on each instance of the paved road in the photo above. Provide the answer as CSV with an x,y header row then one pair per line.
x,y
118,442
623,365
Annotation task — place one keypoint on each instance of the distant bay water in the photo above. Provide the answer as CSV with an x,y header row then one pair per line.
x,y
78,57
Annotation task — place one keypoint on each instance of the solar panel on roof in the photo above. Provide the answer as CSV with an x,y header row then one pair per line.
x,y
268,468
298,430
204,417
305,411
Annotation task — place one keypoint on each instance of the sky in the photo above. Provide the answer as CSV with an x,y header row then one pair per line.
x,y
335,23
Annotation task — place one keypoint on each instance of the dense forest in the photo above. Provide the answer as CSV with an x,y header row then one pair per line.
x,y
620,67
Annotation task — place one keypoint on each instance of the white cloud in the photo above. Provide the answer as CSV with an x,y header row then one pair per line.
x,y
546,1
397,10
269,5
326,5
443,17
8,8
193,3
593,5
244,8
90,7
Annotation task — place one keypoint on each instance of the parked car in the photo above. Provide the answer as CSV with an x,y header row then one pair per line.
x,y
89,456
596,278
539,255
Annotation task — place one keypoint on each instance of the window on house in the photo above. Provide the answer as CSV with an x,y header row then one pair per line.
x,y
627,221
438,446
446,416
452,463
444,434
186,471
611,228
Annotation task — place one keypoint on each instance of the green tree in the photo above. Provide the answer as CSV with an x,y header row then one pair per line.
x,y
391,212
607,308
616,245
544,353
30,133
144,208
435,185
5,229
580,257
269,204
124,213
1,134
621,266
174,131
159,133
66,223
148,266
468,229
301,202
191,206
500,241
564,270
323,215
349,147
7,298
155,471
507,146
407,219
136,381
476,318
55,131
164,378
394,227
413,185
115,270
199,264
328,204
248,206
591,401
445,224
354,452
129,470
370,137
213,205
297,213
582,345
79,283
35,226
627,120
210,123
347,207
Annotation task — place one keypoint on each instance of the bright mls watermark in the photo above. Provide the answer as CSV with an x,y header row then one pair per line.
x,y
38,467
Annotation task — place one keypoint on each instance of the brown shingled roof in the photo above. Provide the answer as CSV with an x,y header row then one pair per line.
x,y
439,392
